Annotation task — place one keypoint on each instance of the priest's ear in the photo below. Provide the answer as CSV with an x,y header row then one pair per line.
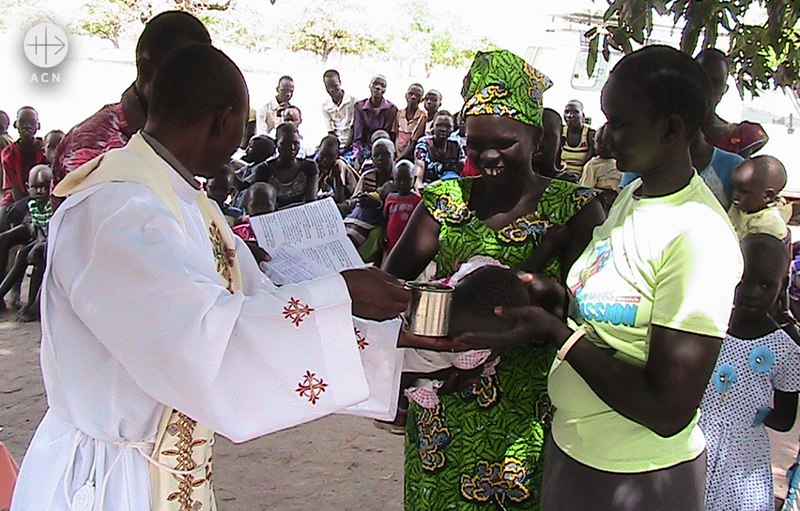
x,y
227,126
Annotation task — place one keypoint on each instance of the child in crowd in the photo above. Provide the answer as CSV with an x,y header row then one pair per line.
x,y
51,141
601,171
337,178
222,187
409,124
433,102
5,138
260,199
758,364
400,204
259,148
757,208
21,156
365,224
35,249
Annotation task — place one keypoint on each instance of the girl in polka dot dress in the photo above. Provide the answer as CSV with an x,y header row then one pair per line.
x,y
758,364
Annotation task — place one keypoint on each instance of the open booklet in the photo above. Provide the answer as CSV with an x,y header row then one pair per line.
x,y
305,242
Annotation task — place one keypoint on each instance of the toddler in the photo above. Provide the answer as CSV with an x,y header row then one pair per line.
x,y
222,187
757,208
757,364
399,205
259,199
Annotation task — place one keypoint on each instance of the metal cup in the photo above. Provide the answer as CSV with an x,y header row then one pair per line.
x,y
428,312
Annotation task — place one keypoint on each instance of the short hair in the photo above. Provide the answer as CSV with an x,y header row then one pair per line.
x,y
293,107
478,293
196,81
378,76
384,142
670,81
285,77
331,72
167,31
27,107
417,85
714,55
442,112
329,140
404,164
4,115
435,93
43,169
53,132
767,247
284,129
577,102
769,170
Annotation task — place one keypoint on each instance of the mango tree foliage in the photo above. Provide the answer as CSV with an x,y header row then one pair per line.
x,y
765,53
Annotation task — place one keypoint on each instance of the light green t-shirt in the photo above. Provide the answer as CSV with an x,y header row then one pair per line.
x,y
671,261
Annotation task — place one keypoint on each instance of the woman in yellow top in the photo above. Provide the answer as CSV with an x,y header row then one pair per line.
x,y
577,142
652,292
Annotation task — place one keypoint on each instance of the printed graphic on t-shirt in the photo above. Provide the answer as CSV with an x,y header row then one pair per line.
x,y
598,303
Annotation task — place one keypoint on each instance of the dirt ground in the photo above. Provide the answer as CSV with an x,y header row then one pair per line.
x,y
338,463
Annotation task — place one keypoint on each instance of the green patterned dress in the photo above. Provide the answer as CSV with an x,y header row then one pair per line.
x,y
482,449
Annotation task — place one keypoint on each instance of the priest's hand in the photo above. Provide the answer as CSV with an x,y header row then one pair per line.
x,y
407,339
376,294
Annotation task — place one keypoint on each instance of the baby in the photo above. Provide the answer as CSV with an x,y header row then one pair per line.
x,y
481,284
757,208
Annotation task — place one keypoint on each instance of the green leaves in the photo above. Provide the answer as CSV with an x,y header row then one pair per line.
x,y
763,55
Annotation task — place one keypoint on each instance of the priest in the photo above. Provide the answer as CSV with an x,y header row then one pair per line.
x,y
159,330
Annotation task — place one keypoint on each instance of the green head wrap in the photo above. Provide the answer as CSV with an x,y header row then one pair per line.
x,y
501,83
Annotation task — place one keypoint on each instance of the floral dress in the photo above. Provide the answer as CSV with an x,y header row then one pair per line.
x,y
481,449
739,473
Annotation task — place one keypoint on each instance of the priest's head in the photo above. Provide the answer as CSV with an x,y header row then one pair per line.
x,y
161,35
199,108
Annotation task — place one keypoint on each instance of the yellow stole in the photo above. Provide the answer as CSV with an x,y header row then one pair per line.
x,y
180,475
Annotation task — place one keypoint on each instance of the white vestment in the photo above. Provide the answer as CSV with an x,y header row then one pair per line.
x,y
136,318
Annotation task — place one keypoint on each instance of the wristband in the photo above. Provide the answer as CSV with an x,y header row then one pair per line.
x,y
576,336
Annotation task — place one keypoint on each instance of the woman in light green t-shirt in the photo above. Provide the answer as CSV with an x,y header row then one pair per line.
x,y
652,292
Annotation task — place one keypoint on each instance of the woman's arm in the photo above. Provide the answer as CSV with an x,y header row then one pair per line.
x,y
416,247
784,411
581,226
665,394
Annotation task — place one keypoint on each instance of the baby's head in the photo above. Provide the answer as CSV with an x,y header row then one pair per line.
x,y
601,143
39,182
401,175
476,296
262,198
765,261
757,182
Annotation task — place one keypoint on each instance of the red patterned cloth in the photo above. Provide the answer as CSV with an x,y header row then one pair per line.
x,y
741,137
16,167
107,129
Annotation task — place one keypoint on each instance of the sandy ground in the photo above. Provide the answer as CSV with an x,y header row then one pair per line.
x,y
338,463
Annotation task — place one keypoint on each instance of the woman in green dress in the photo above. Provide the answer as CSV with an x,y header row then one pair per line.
x,y
481,447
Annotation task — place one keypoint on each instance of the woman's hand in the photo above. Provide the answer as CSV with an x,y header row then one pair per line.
x,y
546,293
533,324
368,200
407,339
